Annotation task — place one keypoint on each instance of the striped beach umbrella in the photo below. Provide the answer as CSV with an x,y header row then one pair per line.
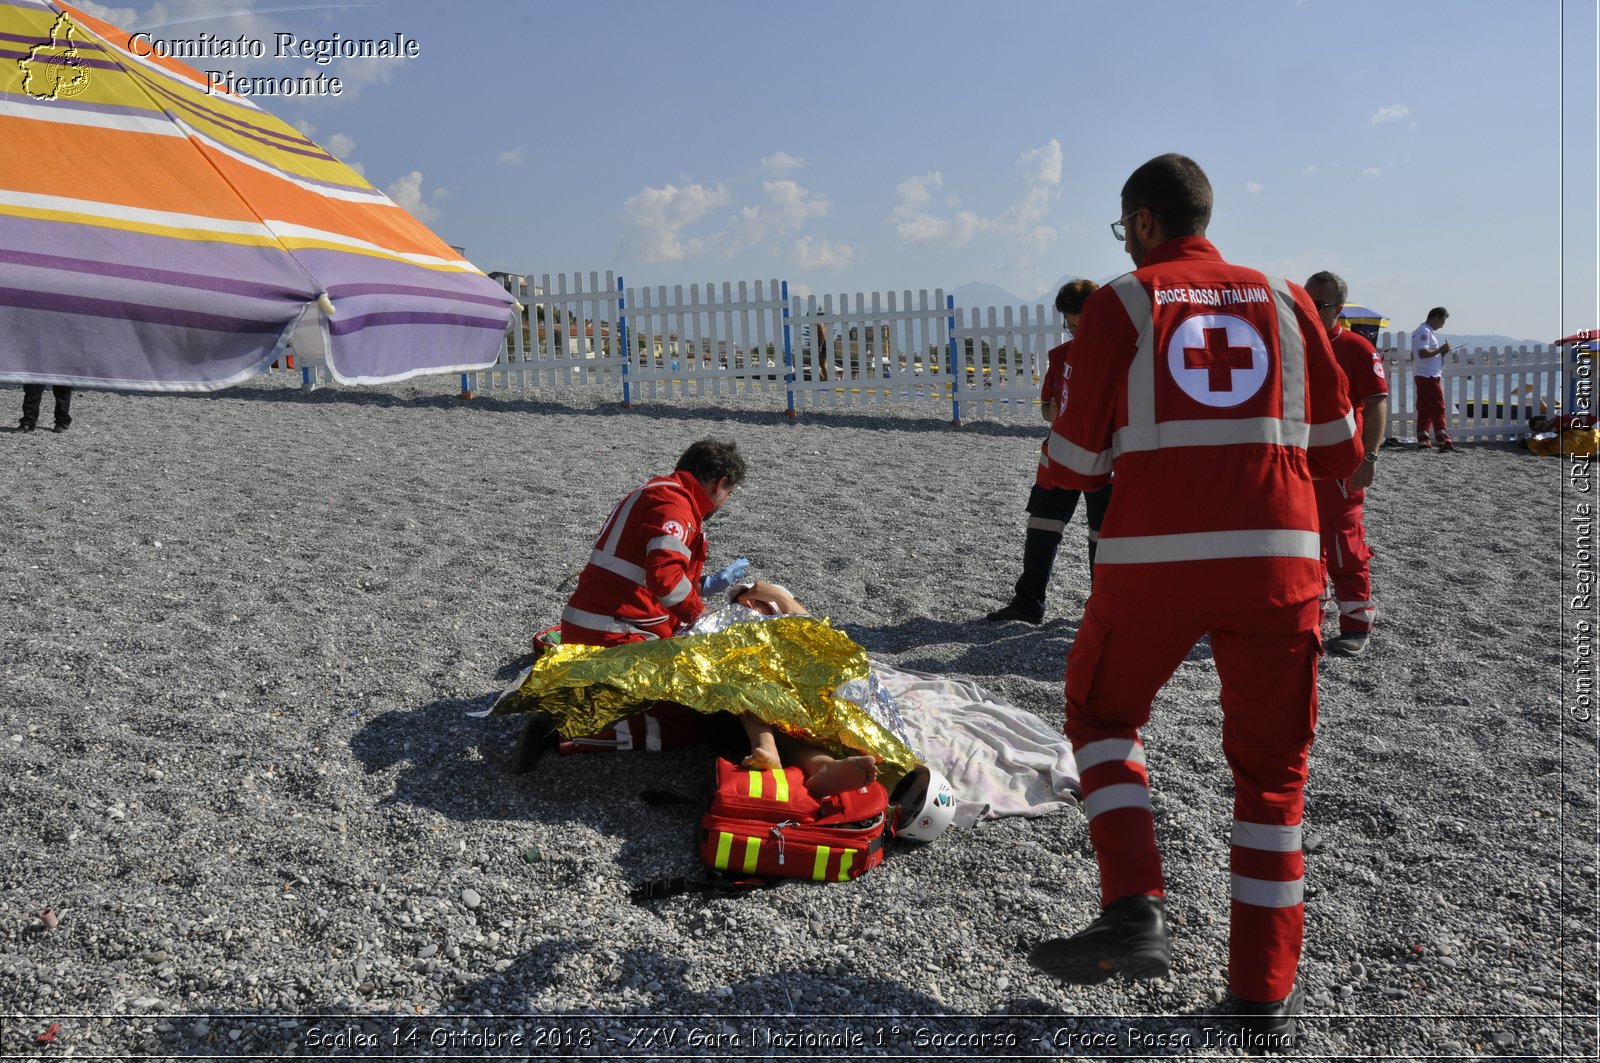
x,y
1363,320
158,234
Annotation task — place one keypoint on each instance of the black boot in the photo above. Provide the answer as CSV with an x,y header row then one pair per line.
x,y
538,738
1038,559
1270,1027
1129,939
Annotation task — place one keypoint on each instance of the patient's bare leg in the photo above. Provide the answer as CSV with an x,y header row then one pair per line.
x,y
763,744
827,774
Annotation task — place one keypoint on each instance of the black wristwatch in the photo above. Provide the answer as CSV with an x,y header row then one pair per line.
x,y
1371,458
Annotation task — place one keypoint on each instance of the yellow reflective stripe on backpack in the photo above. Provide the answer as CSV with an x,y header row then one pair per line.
x,y
752,851
780,786
819,870
846,858
755,783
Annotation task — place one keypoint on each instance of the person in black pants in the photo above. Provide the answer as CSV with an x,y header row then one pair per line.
x,y
33,394
1050,508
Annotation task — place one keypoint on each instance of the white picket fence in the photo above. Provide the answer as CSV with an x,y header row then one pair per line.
x,y
656,344
1488,393
854,350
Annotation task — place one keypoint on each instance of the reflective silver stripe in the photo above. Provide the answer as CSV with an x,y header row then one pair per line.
x,y
1046,524
595,622
1142,370
1210,433
1264,893
652,733
624,734
1066,453
1266,837
678,593
1329,432
619,520
1107,750
1291,354
611,563
670,543
1355,607
1208,546
1122,795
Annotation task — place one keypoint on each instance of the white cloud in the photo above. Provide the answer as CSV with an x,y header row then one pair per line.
x,y
781,164
407,192
1371,171
357,74
915,224
820,254
1313,168
1255,188
1022,223
340,145
510,158
659,219
1392,113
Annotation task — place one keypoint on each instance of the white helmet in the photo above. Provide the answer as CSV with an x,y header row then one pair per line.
x,y
924,805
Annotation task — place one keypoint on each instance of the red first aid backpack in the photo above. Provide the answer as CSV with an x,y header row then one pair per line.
x,y
765,825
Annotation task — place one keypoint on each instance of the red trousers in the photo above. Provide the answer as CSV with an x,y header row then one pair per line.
x,y
1267,661
1430,409
1345,555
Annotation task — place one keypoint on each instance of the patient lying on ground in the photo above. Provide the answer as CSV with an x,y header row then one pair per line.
x,y
825,774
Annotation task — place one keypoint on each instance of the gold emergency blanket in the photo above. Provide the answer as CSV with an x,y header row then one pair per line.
x,y
786,670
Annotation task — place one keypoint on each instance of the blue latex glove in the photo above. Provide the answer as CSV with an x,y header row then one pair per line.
x,y
724,578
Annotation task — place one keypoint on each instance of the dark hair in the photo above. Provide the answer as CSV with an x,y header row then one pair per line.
x,y
1175,189
710,460
1438,311
1341,290
1072,296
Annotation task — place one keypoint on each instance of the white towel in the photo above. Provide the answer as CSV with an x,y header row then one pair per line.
x,y
1000,760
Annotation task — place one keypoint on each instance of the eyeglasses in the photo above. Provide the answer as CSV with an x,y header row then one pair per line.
x,y
1119,228
1329,306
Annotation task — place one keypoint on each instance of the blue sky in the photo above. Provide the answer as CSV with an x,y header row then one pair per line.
x,y
1431,151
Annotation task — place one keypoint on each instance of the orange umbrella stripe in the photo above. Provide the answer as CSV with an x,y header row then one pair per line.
x,y
116,166
380,223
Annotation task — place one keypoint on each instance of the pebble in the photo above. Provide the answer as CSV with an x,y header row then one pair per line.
x,y
470,898
1505,1039
427,951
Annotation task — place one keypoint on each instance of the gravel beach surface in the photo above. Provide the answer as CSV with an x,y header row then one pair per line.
x,y
242,633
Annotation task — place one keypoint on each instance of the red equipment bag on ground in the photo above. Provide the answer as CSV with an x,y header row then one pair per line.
x,y
765,825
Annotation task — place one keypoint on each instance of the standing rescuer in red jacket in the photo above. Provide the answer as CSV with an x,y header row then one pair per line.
x,y
1212,391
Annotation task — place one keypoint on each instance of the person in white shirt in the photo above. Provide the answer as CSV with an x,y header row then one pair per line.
x,y
1429,351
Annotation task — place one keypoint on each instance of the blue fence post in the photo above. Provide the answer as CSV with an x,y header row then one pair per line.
x,y
788,351
955,375
466,385
627,353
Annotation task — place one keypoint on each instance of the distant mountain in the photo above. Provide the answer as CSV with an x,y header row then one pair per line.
x,y
1456,339
975,296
